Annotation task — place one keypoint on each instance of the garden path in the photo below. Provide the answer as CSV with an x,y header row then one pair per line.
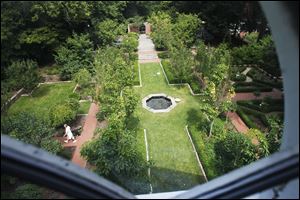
x,y
275,94
87,134
146,50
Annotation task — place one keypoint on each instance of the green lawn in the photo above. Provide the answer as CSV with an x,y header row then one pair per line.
x,y
84,107
43,98
175,166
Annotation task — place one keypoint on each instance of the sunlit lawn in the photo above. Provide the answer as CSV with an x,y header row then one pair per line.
x,y
175,166
43,99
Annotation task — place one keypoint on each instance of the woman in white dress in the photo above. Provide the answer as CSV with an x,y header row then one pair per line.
x,y
69,134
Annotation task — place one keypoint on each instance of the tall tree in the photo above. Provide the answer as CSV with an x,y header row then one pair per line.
x,y
75,54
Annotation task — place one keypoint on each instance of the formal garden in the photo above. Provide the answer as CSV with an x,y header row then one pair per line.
x,y
65,63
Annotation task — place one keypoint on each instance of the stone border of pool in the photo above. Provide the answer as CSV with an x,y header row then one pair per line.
x,y
144,102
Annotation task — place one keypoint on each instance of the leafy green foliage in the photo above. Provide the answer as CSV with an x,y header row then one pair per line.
x,y
182,62
234,152
262,53
116,152
23,74
251,38
161,29
262,146
275,134
186,28
31,130
107,31
28,191
75,54
82,77
64,113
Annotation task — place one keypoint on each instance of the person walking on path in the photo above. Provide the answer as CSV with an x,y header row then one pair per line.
x,y
69,134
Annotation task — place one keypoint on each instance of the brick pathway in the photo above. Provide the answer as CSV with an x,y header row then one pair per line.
x,y
275,94
238,123
87,134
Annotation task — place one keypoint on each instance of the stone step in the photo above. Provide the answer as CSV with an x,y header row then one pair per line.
x,y
147,56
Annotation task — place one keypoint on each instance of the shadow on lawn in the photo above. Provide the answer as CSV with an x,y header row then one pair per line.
x,y
196,118
162,180
41,91
166,180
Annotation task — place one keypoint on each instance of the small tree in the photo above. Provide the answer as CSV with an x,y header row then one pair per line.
x,y
24,74
161,29
107,31
82,78
181,61
186,28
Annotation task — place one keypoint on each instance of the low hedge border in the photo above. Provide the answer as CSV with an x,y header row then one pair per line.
x,y
258,114
245,118
253,89
277,106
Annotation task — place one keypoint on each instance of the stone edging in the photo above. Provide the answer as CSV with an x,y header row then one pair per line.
x,y
46,83
12,99
197,94
147,158
144,103
197,156
140,77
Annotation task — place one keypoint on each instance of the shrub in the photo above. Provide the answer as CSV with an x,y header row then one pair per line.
x,y
30,129
28,191
163,55
100,116
235,151
82,78
63,113
24,74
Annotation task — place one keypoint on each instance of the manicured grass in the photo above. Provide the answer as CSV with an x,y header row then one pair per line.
x,y
84,107
43,99
175,165
136,79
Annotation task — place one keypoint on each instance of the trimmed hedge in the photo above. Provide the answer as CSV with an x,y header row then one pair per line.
x,y
163,55
253,89
206,153
245,118
241,77
278,85
258,114
271,106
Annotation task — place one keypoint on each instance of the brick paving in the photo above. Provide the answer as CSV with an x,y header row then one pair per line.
x,y
275,94
238,123
87,134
